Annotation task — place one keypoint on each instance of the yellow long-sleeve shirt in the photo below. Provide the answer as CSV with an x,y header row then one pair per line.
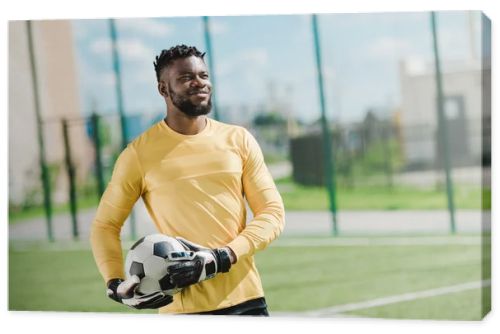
x,y
194,186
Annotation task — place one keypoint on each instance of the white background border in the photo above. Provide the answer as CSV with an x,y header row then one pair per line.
x,y
37,322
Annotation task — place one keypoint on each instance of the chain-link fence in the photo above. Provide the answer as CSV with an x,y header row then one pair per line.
x,y
378,163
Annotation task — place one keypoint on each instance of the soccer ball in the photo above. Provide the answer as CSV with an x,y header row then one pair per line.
x,y
149,259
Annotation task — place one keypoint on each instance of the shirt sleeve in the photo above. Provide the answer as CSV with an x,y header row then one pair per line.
x,y
116,203
264,201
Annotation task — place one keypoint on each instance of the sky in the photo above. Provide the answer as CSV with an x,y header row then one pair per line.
x,y
266,61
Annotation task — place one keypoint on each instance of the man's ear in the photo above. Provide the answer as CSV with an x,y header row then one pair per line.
x,y
162,89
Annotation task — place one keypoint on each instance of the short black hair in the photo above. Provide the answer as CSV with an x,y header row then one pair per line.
x,y
166,57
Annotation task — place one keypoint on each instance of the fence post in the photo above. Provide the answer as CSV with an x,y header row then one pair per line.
x,y
95,120
71,178
208,44
442,126
327,138
386,138
121,111
45,174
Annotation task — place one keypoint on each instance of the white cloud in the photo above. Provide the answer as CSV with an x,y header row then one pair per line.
x,y
454,43
245,61
415,65
304,34
388,47
329,73
130,49
144,75
96,78
100,46
250,68
151,27
256,56
134,49
218,28
106,79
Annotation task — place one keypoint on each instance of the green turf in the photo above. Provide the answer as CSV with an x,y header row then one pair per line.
x,y
465,305
294,279
343,275
19,216
45,280
297,197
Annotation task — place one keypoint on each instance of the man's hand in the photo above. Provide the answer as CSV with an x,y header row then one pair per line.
x,y
205,264
124,292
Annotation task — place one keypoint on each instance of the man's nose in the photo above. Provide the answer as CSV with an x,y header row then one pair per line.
x,y
199,82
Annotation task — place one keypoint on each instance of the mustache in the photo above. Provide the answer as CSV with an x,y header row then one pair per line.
x,y
203,91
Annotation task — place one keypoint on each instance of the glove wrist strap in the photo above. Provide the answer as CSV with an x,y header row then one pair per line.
x,y
223,260
112,287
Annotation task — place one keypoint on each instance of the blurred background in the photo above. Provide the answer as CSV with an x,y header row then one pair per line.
x,y
376,128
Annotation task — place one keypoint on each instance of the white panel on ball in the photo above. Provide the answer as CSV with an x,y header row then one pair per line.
x,y
148,285
155,267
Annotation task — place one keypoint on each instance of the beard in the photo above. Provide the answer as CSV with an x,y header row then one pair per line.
x,y
184,104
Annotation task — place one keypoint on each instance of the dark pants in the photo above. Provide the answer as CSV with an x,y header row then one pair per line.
x,y
254,307
257,311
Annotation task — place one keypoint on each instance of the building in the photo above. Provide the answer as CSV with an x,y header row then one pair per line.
x,y
58,96
462,109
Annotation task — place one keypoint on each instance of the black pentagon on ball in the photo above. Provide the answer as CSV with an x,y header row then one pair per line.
x,y
137,243
137,268
165,283
162,249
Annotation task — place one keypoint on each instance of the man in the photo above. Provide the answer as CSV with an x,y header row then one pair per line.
x,y
193,174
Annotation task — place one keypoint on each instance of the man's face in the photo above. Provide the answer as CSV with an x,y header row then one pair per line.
x,y
188,86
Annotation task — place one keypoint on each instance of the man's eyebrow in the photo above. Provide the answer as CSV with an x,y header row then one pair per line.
x,y
183,72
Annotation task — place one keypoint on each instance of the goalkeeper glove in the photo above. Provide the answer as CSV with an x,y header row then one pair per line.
x,y
205,264
124,292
